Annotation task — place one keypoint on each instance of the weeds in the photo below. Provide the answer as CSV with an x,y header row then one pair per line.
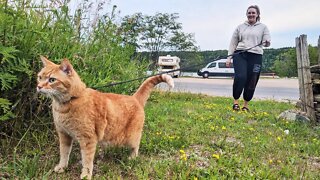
x,y
49,28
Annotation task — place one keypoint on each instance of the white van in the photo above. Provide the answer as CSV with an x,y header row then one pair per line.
x,y
169,63
216,68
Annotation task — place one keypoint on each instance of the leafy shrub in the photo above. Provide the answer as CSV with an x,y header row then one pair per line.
x,y
29,29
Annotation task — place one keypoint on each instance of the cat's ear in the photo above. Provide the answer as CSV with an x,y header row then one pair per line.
x,y
66,66
45,61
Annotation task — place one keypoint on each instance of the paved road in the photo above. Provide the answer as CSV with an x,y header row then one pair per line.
x,y
267,88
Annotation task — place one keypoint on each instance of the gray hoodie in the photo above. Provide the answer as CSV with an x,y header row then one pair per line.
x,y
246,36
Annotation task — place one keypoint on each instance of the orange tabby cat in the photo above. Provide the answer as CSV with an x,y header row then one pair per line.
x,y
89,116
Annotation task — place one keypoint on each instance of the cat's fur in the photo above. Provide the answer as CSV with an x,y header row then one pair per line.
x,y
89,116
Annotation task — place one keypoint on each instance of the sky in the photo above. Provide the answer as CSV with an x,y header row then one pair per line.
x,y
213,21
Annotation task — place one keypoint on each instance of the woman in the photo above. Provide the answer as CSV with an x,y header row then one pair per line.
x,y
247,65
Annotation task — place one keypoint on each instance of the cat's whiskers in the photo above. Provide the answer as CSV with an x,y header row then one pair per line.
x,y
57,95
61,97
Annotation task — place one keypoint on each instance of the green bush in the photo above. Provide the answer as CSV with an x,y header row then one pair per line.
x,y
28,30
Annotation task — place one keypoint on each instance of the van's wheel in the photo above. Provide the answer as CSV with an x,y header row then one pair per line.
x,y
205,75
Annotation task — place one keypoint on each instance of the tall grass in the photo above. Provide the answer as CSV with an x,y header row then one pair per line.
x,y
32,28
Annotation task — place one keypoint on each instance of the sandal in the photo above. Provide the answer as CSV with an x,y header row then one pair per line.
x,y
245,109
236,107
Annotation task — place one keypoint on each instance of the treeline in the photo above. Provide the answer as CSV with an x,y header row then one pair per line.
x,y
281,61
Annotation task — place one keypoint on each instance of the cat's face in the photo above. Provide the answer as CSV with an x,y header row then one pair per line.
x,y
54,80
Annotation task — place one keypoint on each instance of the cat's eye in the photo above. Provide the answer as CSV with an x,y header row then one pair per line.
x,y
51,80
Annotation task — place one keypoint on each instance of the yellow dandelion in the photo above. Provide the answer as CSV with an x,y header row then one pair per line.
x,y
232,118
212,128
223,128
217,156
183,157
314,139
279,138
270,161
279,161
251,129
294,145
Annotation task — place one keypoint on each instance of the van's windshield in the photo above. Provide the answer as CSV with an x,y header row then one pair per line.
x,y
212,65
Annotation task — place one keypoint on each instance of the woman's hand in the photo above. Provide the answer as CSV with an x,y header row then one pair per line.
x,y
266,43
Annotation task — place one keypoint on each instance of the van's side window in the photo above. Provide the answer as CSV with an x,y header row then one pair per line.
x,y
212,65
224,65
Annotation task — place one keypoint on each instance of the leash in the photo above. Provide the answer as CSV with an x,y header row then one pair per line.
x,y
145,77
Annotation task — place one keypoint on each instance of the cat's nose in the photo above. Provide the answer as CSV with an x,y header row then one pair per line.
x,y
39,87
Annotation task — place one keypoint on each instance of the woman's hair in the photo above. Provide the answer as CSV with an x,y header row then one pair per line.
x,y
257,9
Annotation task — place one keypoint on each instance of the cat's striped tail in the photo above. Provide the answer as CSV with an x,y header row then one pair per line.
x,y
146,87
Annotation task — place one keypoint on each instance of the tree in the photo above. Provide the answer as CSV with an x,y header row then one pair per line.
x,y
285,64
130,29
269,56
182,42
160,32
313,55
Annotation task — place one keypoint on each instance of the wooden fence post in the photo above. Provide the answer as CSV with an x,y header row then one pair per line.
x,y
319,50
300,76
304,75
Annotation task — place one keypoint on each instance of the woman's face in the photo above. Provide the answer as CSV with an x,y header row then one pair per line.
x,y
252,15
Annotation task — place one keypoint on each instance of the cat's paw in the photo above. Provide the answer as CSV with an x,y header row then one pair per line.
x,y
85,175
59,168
133,155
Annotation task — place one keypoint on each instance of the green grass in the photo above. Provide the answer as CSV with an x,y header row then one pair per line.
x,y
185,137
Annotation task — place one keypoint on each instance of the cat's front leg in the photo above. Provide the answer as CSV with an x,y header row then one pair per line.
x,y
65,149
88,149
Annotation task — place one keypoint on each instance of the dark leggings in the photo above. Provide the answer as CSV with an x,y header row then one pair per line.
x,y
247,68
